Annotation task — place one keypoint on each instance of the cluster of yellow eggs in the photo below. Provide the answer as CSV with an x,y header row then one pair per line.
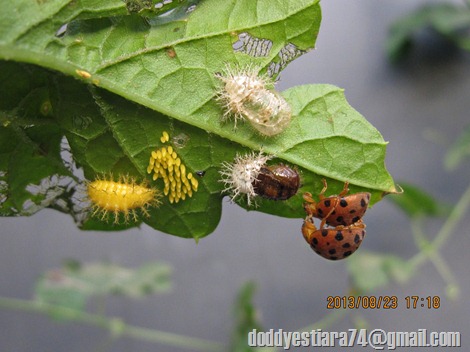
x,y
166,164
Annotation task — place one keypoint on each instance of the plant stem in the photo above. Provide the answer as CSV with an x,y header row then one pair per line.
x,y
113,325
420,239
443,269
447,229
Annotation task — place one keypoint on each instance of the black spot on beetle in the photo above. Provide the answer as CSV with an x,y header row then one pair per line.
x,y
327,203
340,220
363,203
332,251
352,211
346,245
339,236
343,203
356,219
320,212
333,258
324,232
357,239
347,254
314,241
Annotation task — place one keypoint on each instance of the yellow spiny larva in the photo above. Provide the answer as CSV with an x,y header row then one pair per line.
x,y
245,95
166,164
124,197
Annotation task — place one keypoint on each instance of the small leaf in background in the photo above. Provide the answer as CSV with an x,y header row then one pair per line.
x,y
453,292
415,202
72,285
371,271
448,20
246,319
459,151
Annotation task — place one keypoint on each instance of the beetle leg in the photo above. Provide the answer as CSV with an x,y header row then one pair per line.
x,y
333,208
308,197
325,186
345,190
308,228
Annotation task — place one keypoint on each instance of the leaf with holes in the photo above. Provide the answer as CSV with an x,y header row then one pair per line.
x,y
143,78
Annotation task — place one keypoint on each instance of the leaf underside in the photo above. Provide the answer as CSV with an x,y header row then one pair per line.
x,y
140,80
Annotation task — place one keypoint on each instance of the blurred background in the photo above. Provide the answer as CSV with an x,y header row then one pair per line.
x,y
420,106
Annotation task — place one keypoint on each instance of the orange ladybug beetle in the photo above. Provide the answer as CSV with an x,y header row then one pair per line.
x,y
334,243
337,210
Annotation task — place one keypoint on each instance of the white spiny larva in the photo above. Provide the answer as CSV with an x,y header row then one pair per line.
x,y
246,95
239,176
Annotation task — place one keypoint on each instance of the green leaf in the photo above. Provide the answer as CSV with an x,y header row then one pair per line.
x,y
458,151
169,70
450,21
31,168
371,271
246,318
415,202
108,134
72,285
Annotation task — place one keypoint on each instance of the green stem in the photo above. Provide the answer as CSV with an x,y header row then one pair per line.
x,y
447,229
421,242
113,325
443,269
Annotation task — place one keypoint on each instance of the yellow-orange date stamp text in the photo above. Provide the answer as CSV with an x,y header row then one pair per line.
x,y
382,302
